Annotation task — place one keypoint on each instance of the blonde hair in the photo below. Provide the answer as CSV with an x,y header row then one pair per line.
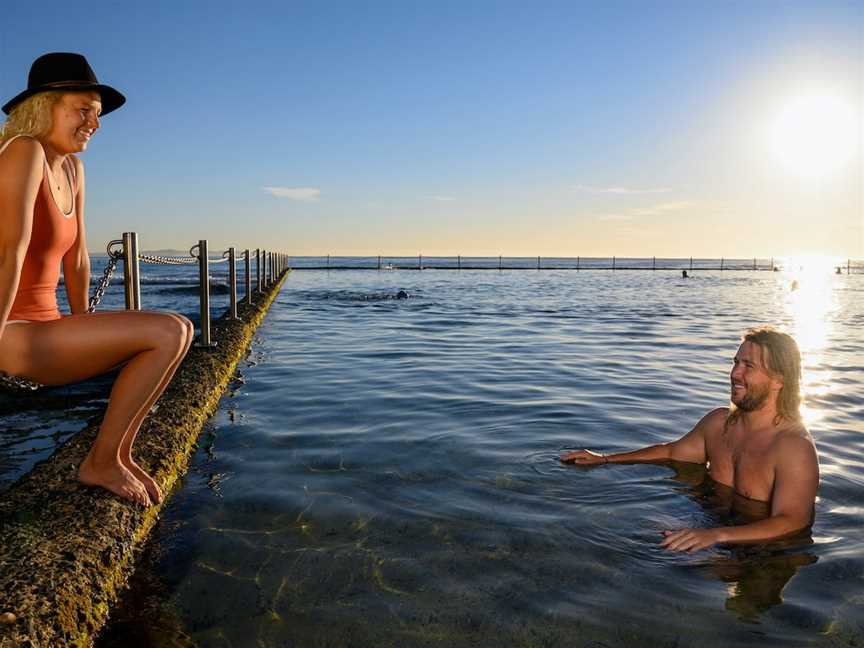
x,y
782,359
30,117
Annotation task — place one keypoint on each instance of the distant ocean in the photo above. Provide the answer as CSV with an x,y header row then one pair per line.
x,y
384,471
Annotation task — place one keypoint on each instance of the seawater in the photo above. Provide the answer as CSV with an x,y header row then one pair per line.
x,y
385,472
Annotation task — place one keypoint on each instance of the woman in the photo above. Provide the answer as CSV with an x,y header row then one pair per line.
x,y
42,225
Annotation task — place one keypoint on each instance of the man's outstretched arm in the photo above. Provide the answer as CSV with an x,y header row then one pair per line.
x,y
690,447
796,478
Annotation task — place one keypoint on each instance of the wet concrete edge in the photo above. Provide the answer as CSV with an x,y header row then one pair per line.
x,y
66,551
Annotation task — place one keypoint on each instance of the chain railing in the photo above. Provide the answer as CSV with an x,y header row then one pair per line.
x,y
269,266
155,259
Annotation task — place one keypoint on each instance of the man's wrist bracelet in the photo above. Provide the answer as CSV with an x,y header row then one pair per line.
x,y
605,459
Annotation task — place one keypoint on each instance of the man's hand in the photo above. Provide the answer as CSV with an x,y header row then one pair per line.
x,y
583,458
690,539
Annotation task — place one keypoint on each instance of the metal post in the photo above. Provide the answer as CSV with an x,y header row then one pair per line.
x,y
538,262
578,259
848,265
499,262
613,262
691,264
459,262
772,264
232,281
420,262
328,261
654,263
204,293
721,263
258,270
248,276
131,271
754,263
379,262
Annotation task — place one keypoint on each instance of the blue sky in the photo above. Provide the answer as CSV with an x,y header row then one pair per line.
x,y
550,128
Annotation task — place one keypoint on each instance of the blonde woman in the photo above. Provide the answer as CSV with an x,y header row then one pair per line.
x,y
41,228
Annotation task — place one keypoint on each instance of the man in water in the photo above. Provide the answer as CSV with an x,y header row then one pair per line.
x,y
758,446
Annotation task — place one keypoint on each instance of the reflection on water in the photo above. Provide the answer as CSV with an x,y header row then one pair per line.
x,y
755,582
811,308
755,575
387,475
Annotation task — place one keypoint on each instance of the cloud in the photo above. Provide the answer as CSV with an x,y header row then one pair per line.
x,y
662,208
303,194
622,191
441,198
659,209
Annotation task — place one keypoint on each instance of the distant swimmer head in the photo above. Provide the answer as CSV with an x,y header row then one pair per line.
x,y
794,285
684,274
402,294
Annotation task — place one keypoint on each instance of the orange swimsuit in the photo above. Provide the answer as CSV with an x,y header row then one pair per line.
x,y
53,234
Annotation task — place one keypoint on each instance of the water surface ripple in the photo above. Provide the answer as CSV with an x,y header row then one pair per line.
x,y
386,473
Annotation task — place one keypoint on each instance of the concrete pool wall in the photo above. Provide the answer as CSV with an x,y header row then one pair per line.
x,y
66,551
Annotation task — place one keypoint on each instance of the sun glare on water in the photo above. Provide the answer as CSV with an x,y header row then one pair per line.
x,y
808,285
815,135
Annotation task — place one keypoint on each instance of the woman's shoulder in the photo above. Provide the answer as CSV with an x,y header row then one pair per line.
x,y
23,150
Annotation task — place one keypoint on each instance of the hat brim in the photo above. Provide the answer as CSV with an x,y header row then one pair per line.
x,y
111,98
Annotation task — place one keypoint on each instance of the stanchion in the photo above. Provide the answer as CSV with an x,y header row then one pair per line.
x,y
258,270
131,271
232,282
248,277
204,293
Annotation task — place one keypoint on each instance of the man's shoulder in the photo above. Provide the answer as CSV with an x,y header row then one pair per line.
x,y
794,435
715,420
794,443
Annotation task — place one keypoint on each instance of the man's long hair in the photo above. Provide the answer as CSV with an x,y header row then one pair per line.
x,y
30,117
782,359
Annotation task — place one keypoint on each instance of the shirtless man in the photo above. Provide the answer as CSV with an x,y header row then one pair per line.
x,y
758,446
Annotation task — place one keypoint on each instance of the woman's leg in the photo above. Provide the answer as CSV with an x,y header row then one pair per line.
x,y
74,348
153,489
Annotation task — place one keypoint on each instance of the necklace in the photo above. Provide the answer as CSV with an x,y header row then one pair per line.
x,y
54,181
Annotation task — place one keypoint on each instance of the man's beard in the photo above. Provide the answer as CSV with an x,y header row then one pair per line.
x,y
752,399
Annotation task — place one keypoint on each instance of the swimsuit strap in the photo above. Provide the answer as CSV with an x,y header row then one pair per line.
x,y
72,176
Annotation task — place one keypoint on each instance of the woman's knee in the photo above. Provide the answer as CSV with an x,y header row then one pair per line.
x,y
188,329
171,333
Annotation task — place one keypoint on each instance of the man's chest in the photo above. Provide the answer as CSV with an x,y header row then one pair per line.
x,y
745,465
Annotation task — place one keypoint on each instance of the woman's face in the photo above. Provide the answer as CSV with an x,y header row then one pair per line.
x,y
75,118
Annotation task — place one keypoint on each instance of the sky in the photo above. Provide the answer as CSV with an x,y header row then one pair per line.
x,y
637,128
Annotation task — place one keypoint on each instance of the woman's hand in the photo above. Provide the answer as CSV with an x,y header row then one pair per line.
x,y
584,458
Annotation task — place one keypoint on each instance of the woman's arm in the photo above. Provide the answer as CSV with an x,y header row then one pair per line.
x,y
76,262
20,177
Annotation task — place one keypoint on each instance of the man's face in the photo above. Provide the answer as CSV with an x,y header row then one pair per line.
x,y
751,384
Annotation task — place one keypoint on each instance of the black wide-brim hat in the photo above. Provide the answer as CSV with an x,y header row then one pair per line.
x,y
69,72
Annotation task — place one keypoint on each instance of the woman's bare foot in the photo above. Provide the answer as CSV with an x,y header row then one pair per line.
x,y
148,482
114,477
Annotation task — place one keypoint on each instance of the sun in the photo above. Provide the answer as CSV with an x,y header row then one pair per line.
x,y
815,135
